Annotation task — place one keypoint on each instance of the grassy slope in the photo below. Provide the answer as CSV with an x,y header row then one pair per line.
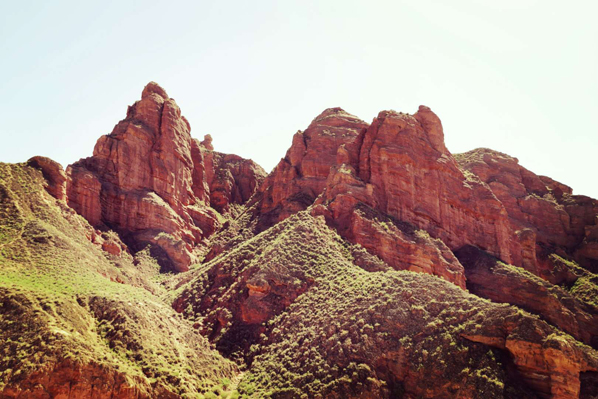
x,y
60,303
347,331
327,328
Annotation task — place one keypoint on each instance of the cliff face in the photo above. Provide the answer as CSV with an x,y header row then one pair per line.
x,y
415,179
78,318
232,180
397,166
149,181
371,262
545,214
301,175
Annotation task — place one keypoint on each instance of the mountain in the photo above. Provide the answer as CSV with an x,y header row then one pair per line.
x,y
370,263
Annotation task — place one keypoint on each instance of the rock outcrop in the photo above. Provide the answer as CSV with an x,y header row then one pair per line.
x,y
54,175
544,214
301,175
347,204
72,380
139,181
550,364
415,179
232,179
153,184
222,180
499,282
397,166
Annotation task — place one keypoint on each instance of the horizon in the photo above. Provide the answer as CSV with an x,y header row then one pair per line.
x,y
519,78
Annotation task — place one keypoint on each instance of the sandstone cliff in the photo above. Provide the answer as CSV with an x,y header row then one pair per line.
x,y
371,262
545,215
149,181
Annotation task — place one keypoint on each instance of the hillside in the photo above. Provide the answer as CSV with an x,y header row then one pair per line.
x,y
370,263
79,321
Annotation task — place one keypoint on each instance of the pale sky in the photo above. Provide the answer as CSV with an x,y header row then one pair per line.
x,y
518,76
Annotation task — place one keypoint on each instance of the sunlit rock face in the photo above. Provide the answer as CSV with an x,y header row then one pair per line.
x,y
150,181
415,179
544,214
371,262
301,175
399,167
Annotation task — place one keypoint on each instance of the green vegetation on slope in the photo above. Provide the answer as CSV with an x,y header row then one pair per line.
x,y
310,315
66,305
314,324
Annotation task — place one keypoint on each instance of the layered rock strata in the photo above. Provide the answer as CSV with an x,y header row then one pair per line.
x,y
399,167
150,182
545,215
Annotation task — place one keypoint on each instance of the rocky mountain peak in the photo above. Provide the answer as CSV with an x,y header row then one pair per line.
x,y
148,180
332,116
154,88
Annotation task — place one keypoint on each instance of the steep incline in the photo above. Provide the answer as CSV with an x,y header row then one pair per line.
x,y
150,182
305,277
314,315
77,321
545,214
398,167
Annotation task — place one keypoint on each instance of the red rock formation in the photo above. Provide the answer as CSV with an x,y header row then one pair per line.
x,y
550,364
84,189
398,166
207,142
54,175
415,179
301,175
153,184
200,185
140,178
405,248
79,381
488,278
541,211
232,179
583,212
350,209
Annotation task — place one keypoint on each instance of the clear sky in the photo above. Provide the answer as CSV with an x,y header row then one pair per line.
x,y
518,76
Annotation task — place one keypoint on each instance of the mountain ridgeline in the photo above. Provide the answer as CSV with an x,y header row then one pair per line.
x,y
370,263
